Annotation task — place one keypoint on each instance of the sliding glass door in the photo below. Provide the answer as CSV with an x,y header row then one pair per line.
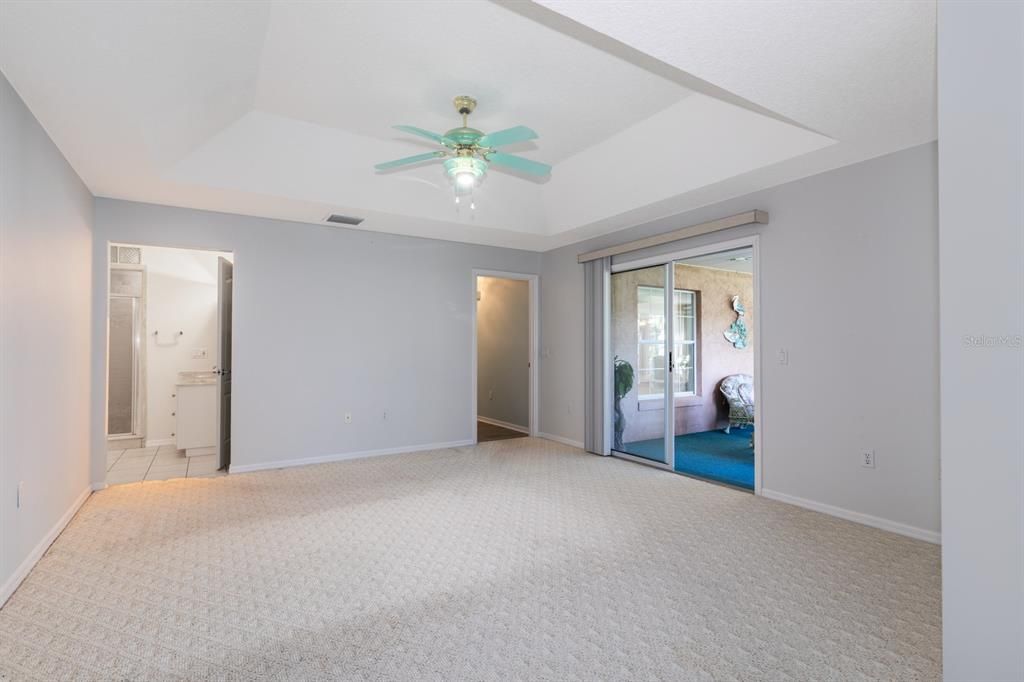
x,y
683,374
643,351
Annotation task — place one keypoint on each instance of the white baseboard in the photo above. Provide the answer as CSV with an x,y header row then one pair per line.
x,y
340,457
98,486
157,442
559,439
39,550
505,425
857,517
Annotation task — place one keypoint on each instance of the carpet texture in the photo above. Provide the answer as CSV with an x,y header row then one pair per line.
x,y
514,559
714,455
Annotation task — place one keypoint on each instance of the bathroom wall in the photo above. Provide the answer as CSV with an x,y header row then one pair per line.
x,y
503,350
717,358
181,295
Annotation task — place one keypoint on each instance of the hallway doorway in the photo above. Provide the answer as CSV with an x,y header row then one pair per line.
x,y
504,344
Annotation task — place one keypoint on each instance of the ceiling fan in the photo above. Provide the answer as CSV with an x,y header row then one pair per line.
x,y
469,152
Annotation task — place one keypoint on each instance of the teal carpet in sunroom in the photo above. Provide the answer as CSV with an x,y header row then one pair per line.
x,y
714,455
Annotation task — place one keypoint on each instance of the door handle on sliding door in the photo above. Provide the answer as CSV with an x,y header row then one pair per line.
x,y
671,363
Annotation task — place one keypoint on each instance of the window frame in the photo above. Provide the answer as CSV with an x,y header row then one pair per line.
x,y
694,342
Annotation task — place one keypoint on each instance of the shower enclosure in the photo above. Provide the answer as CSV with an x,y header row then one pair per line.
x,y
126,331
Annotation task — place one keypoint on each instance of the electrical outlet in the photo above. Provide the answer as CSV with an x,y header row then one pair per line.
x,y
385,415
490,394
348,417
199,354
867,459
783,356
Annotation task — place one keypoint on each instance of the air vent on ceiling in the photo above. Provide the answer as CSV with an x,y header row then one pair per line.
x,y
343,219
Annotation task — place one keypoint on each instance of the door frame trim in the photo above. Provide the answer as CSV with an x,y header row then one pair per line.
x,y
753,242
534,343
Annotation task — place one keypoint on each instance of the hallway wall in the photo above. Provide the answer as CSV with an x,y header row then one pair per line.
x,y
503,350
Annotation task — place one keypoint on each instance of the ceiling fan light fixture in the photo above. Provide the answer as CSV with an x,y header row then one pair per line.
x,y
465,172
468,152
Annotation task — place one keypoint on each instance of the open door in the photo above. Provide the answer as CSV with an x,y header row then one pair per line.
x,y
224,290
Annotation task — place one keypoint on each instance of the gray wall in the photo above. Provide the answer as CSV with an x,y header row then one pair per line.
x,y
849,286
503,350
45,252
981,240
327,321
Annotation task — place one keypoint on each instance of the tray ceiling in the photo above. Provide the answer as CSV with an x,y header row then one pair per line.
x,y
280,109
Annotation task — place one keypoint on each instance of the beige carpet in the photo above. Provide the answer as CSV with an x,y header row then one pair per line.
x,y
514,559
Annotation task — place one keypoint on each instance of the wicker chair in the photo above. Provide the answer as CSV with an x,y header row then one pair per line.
x,y
738,390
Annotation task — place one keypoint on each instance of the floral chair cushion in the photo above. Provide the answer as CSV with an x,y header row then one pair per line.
x,y
738,389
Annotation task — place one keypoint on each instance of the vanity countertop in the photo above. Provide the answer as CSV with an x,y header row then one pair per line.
x,y
197,378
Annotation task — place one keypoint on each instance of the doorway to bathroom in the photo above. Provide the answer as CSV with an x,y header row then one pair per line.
x,y
168,363
684,366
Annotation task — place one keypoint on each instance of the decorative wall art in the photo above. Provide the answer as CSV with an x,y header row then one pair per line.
x,y
736,334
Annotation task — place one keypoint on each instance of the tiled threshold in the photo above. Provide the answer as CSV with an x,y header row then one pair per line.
x,y
157,464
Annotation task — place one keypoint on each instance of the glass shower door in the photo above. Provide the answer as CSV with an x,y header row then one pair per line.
x,y
641,342
124,339
121,389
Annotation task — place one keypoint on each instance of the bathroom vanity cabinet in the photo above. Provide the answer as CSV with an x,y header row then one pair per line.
x,y
196,416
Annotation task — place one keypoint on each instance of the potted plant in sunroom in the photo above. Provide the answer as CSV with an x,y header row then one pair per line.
x,y
623,385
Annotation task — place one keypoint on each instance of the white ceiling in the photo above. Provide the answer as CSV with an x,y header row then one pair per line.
x,y
280,109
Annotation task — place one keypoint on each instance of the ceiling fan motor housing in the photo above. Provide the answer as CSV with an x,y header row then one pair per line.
x,y
464,137
464,104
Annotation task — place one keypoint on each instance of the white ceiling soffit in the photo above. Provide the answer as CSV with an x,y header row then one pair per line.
x,y
280,109
861,72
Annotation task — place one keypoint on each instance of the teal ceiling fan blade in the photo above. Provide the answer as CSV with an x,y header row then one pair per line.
x,y
413,130
408,160
519,163
507,136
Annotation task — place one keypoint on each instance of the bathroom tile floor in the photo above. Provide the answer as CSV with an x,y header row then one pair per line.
x,y
157,464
